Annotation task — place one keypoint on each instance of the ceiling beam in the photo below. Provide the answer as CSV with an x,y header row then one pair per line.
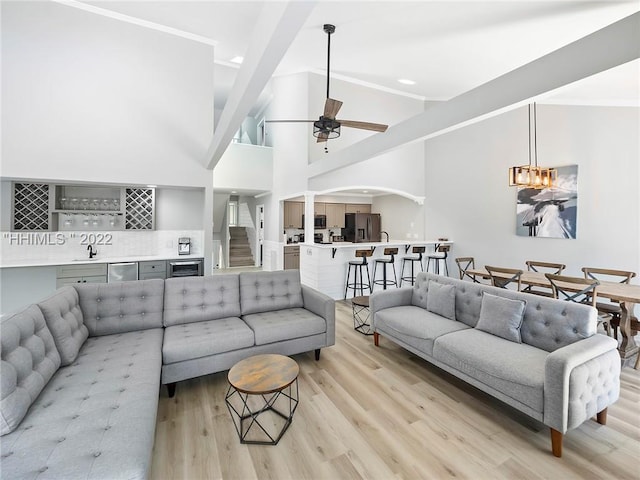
x,y
278,25
602,50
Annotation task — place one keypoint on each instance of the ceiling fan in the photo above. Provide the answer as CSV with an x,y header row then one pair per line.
x,y
327,126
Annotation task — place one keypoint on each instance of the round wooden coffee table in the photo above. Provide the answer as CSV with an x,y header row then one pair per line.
x,y
262,397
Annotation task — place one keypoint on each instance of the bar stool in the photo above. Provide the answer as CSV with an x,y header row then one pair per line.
x,y
439,255
413,259
358,265
390,260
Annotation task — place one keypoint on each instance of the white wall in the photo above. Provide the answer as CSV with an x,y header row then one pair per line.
x,y
179,209
89,98
468,199
400,217
244,167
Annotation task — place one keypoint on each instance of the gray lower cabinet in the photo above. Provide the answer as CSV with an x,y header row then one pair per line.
x,y
70,274
154,269
291,257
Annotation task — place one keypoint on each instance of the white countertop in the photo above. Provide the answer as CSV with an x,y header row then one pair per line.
x,y
390,243
48,262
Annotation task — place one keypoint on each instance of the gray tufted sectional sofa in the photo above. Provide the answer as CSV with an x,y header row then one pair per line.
x,y
539,355
81,370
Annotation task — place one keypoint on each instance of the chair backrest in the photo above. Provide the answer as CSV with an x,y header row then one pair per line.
x,y
556,268
464,264
363,253
621,276
574,289
503,277
419,250
391,251
443,249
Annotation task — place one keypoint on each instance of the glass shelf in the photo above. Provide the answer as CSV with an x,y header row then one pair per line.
x,y
89,212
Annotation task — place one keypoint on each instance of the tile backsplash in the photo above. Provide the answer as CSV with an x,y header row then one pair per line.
x,y
16,246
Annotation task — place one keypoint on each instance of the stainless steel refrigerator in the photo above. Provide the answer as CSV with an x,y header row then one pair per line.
x,y
362,227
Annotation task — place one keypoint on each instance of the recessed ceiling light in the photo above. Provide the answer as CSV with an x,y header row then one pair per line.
x,y
405,81
152,186
365,191
237,59
233,191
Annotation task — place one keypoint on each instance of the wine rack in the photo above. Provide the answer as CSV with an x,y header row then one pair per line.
x,y
139,208
31,210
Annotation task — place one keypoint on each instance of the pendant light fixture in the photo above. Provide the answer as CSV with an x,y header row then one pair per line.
x,y
531,175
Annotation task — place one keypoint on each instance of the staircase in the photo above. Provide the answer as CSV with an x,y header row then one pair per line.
x,y
239,249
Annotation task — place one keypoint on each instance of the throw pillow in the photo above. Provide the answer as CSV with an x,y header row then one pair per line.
x,y
64,318
501,316
441,299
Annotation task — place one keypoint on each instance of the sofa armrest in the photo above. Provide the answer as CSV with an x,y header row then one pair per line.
x,y
580,380
394,297
323,306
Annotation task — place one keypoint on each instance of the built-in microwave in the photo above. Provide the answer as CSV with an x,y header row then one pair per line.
x,y
319,222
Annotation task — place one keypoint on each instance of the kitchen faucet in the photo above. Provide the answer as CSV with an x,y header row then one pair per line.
x,y
92,252
386,235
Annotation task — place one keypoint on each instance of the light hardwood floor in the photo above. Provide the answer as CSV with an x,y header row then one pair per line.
x,y
383,413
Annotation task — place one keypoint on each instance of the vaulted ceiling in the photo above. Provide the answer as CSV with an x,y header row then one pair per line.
x,y
465,54
445,47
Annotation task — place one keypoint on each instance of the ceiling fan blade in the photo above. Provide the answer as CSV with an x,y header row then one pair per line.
x,y
289,121
376,127
322,137
331,107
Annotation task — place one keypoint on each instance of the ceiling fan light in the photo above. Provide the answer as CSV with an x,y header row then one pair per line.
x,y
326,128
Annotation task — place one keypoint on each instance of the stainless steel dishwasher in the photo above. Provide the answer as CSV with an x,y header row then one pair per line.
x,y
122,272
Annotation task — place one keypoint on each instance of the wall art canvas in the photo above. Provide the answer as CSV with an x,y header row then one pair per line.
x,y
550,212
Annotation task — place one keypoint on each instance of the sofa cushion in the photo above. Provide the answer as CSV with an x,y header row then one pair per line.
x,y
65,320
29,360
110,308
279,325
195,340
501,316
197,299
514,369
409,321
441,299
96,418
269,291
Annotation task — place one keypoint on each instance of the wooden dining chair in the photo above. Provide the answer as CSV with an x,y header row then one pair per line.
x,y
610,307
543,267
566,288
503,277
464,264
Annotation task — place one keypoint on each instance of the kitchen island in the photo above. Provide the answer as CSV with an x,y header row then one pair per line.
x,y
324,266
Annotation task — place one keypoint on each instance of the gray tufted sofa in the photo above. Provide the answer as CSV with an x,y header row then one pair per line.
x,y
213,322
80,380
81,370
542,357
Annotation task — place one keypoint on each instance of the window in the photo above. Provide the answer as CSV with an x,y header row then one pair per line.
x,y
233,214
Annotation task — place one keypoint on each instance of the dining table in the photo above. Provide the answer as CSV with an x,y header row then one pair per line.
x,y
626,294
